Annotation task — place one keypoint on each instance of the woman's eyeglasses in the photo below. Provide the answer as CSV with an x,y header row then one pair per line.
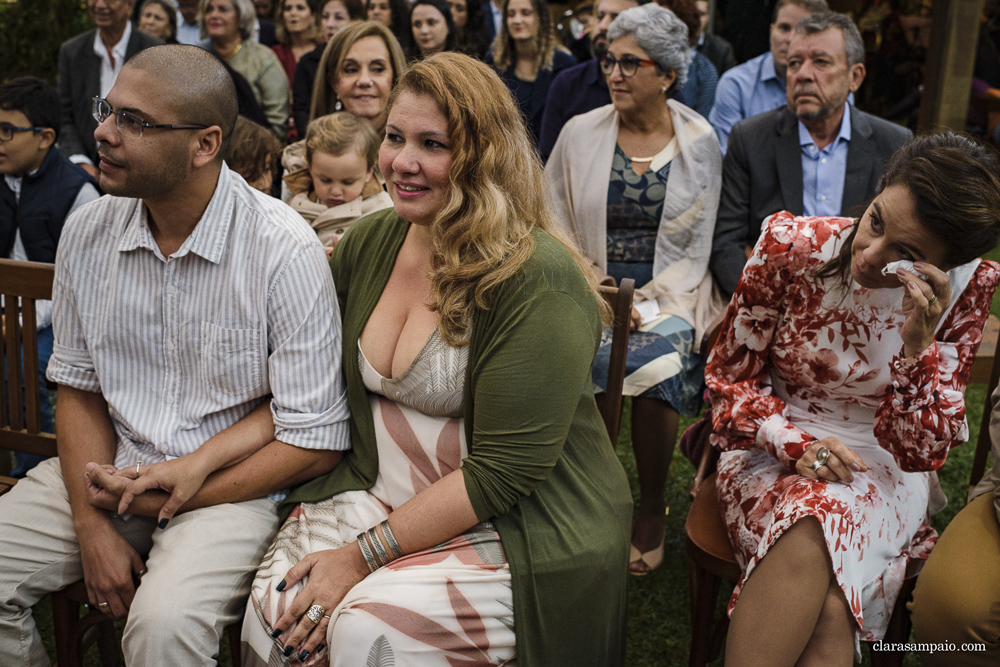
x,y
628,64
130,124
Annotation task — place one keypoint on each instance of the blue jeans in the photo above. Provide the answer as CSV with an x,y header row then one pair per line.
x,y
25,462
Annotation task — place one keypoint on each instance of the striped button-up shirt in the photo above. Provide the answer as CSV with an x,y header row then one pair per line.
x,y
184,346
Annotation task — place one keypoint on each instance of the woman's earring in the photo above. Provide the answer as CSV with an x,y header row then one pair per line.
x,y
338,106
664,89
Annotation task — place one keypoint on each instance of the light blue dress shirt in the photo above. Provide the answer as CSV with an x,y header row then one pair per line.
x,y
743,91
823,169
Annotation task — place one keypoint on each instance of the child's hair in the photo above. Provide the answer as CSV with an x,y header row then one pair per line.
x,y
252,150
339,132
33,97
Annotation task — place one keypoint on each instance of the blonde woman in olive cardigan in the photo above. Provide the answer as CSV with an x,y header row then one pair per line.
x,y
481,514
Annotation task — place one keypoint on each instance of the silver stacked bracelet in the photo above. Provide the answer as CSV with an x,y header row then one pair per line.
x,y
391,540
366,551
380,553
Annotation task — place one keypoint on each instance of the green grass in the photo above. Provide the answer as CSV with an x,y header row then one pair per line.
x,y
659,627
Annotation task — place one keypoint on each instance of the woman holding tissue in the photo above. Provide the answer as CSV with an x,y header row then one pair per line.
x,y
638,184
837,389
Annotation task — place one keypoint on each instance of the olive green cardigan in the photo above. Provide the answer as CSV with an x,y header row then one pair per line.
x,y
540,465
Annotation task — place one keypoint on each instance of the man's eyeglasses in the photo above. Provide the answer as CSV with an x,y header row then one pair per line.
x,y
7,131
130,124
628,64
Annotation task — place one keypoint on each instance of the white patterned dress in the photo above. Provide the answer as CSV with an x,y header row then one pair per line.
x,y
447,605
802,359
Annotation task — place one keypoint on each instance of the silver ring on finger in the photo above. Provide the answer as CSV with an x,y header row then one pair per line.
x,y
315,613
102,605
817,464
931,300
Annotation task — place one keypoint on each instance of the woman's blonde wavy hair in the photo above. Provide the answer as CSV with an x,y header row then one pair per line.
x,y
324,99
498,193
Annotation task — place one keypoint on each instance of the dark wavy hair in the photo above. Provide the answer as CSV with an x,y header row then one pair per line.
x,y
955,184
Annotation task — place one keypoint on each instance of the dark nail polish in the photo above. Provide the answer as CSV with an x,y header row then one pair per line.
x,y
281,586
303,656
320,647
163,523
287,651
275,634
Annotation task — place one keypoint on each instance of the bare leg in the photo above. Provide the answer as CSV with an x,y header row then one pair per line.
x,y
782,601
654,435
832,641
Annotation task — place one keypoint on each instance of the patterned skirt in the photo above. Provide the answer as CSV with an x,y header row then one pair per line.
x,y
661,361
448,605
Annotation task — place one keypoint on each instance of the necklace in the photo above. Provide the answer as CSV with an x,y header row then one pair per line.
x,y
642,159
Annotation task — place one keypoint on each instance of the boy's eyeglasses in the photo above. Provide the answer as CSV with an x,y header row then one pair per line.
x,y
7,131
129,123
628,64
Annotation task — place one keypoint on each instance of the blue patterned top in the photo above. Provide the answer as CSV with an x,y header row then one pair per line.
x,y
635,206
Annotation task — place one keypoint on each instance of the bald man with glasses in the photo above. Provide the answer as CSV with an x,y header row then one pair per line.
x,y
197,343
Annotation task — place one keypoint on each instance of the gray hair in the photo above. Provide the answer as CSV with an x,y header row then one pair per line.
x,y
659,33
821,21
246,16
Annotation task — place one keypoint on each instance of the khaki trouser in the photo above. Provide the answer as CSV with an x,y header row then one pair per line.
x,y
957,599
199,571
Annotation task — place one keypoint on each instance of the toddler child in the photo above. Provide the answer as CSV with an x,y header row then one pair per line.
x,y
335,184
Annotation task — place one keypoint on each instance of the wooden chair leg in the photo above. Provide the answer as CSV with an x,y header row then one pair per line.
x,y
704,591
108,645
65,614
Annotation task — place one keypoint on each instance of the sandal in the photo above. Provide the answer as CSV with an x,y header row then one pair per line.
x,y
651,559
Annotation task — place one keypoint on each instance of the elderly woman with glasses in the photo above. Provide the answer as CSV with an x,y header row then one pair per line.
x,y
638,184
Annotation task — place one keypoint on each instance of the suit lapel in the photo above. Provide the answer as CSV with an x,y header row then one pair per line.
x,y
861,159
788,160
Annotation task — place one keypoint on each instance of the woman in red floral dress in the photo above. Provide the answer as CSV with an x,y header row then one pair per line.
x,y
837,390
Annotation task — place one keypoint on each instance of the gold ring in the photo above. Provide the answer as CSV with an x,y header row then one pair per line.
x,y
932,299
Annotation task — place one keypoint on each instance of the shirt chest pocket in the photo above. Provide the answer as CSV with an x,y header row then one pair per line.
x,y
230,361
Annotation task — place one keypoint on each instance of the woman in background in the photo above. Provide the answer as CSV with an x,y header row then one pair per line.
x,y
394,15
358,70
229,25
470,31
433,28
638,183
528,56
298,34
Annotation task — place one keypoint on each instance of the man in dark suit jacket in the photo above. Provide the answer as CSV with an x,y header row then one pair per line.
x,y
815,156
80,70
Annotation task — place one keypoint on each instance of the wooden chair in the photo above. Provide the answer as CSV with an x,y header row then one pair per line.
x,y
620,300
711,557
21,285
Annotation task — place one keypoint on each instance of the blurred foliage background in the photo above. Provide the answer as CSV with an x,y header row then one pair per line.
x,y
31,32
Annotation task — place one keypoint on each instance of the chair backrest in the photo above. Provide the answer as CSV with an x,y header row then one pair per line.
x,y
620,300
21,284
986,368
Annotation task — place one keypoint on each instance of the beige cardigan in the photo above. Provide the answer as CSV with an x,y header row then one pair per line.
x,y
578,172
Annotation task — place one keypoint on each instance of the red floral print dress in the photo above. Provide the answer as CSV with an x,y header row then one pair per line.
x,y
802,359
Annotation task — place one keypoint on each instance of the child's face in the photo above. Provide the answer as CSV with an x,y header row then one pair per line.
x,y
25,151
338,179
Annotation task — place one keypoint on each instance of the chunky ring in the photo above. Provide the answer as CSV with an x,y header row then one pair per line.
x,y
315,613
932,299
822,456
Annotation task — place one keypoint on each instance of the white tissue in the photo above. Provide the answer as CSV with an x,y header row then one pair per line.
x,y
891,268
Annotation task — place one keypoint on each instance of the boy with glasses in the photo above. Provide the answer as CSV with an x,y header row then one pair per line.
x,y
39,189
